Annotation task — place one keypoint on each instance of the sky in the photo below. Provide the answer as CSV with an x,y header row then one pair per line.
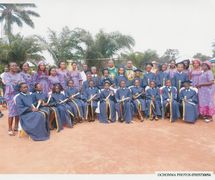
x,y
186,25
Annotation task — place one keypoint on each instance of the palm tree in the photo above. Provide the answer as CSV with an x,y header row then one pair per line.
x,y
18,14
20,50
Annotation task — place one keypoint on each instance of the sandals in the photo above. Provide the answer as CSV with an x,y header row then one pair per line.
x,y
11,133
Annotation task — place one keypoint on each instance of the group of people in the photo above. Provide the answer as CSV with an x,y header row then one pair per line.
x,y
55,98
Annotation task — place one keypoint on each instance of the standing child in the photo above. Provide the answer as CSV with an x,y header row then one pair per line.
x,y
148,75
179,77
189,100
107,104
153,102
138,99
124,106
105,78
121,77
162,76
170,104
137,76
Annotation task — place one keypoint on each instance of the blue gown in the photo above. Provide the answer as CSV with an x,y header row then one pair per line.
x,y
166,94
96,81
120,78
102,82
156,111
178,80
78,105
147,77
140,79
107,107
124,109
139,101
36,96
161,78
33,123
190,110
64,109
91,106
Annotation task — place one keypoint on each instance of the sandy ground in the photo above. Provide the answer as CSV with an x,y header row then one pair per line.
x,y
94,148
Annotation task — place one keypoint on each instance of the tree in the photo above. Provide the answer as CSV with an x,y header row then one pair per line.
x,y
169,54
106,45
21,50
68,44
149,56
136,57
18,14
201,57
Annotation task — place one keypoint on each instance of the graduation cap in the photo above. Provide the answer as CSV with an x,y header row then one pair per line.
x,y
138,70
187,81
107,81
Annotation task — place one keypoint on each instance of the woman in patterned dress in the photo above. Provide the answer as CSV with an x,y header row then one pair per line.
x,y
206,92
12,79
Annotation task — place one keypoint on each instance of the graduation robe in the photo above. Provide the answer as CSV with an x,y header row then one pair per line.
x,y
36,96
102,82
169,93
190,108
107,106
120,78
126,113
64,109
34,124
178,80
148,76
77,103
87,94
157,103
139,101
161,78
140,79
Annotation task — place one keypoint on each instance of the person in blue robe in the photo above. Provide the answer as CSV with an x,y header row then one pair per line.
x,y
121,77
153,102
59,100
137,75
107,104
189,102
179,77
95,76
148,75
162,76
91,97
124,106
33,121
138,99
105,78
170,104
75,100
52,113
85,84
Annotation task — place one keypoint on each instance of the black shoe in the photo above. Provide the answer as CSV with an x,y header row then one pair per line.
x,y
1,115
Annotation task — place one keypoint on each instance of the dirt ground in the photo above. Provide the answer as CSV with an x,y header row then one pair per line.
x,y
93,148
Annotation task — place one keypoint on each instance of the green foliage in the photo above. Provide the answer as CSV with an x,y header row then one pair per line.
x,y
169,54
16,14
201,56
20,50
